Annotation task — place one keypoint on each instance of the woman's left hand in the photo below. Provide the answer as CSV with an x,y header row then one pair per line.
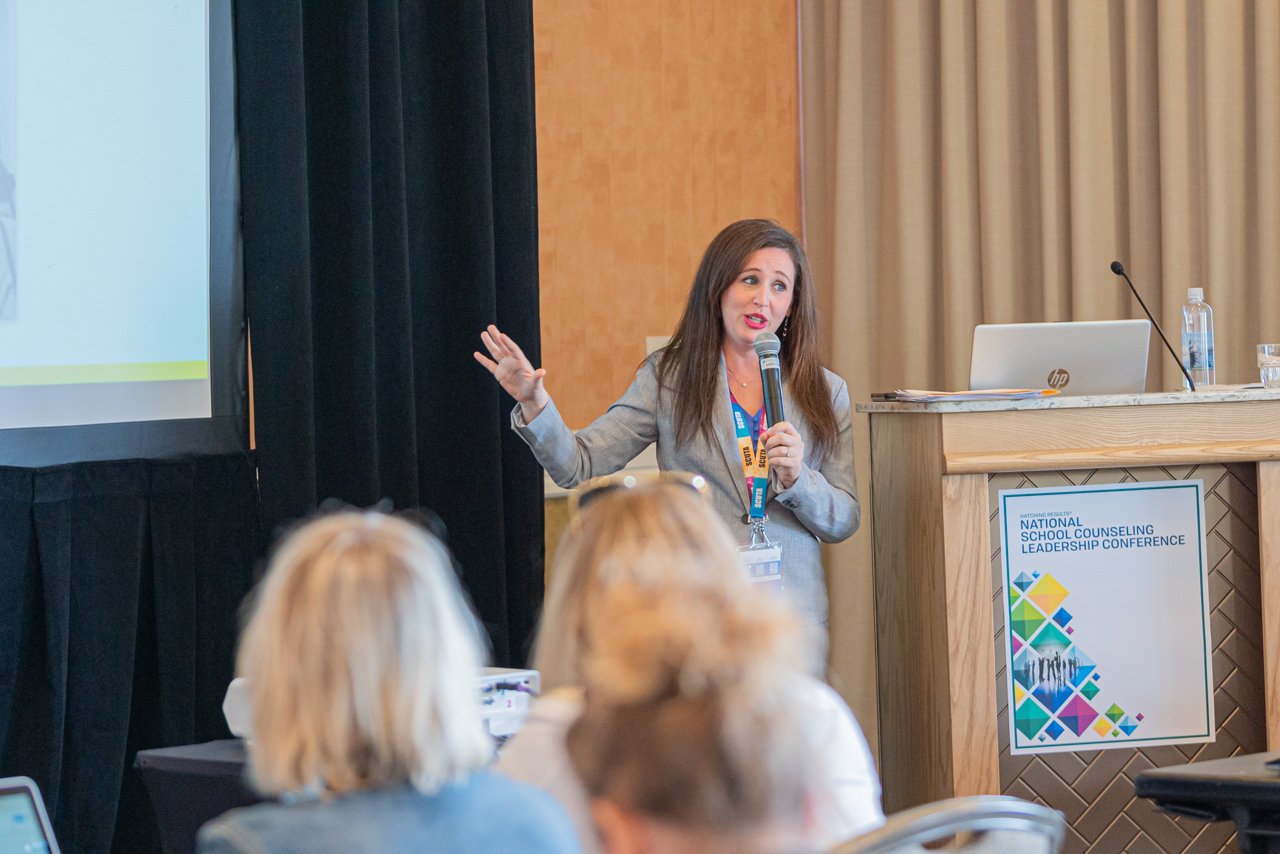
x,y
785,448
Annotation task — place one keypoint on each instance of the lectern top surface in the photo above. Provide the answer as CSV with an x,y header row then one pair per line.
x,y
1220,394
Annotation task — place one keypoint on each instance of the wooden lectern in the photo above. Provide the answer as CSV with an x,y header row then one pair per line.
x,y
930,471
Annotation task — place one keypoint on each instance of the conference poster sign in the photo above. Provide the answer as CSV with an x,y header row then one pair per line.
x,y
1106,616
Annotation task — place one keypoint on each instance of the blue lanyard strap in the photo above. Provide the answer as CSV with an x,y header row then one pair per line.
x,y
755,463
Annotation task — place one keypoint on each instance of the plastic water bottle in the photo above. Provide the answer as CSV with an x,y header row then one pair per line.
x,y
1197,339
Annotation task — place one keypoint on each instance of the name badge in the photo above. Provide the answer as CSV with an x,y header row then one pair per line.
x,y
763,564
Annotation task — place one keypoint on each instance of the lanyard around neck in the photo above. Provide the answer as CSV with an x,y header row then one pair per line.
x,y
755,464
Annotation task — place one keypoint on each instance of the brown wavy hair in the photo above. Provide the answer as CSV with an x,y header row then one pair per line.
x,y
689,366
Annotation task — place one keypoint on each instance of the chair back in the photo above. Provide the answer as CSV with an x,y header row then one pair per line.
x,y
999,824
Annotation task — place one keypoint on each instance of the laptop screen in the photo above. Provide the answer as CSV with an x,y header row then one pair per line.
x,y
22,821
1080,357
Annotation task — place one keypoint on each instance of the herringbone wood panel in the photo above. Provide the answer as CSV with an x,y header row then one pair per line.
x,y
1094,789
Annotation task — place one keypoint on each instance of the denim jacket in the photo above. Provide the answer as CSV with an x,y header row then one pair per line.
x,y
483,813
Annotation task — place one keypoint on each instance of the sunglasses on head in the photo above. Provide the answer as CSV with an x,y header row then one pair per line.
x,y
598,487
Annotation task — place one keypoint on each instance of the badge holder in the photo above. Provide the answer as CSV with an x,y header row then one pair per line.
x,y
762,559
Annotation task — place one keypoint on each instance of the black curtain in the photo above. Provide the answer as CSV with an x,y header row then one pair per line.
x,y
389,214
119,584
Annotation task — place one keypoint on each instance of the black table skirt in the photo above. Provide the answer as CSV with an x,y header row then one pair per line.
x,y
120,583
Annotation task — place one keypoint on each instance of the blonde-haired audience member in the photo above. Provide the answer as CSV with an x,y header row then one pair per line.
x,y
700,713
362,662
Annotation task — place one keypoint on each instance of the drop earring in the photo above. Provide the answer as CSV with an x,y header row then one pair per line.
x,y
786,323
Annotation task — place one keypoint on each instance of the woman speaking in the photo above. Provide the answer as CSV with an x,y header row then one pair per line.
x,y
701,399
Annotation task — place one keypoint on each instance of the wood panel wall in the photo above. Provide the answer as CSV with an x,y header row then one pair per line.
x,y
658,123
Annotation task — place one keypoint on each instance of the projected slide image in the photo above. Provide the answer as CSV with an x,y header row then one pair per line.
x,y
104,212
8,181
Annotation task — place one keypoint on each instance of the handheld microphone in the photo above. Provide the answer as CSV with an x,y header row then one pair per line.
x,y
1118,269
767,348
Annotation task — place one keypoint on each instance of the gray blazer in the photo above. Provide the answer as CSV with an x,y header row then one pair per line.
x,y
821,506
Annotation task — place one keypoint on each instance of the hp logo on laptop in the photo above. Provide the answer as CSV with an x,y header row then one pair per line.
x,y
1058,378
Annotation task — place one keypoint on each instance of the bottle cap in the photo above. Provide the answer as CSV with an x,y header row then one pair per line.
x,y
1195,294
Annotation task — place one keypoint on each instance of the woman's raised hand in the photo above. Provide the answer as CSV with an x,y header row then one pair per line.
x,y
514,372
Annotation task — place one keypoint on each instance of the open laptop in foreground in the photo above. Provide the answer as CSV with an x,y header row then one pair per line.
x,y
24,824
1080,357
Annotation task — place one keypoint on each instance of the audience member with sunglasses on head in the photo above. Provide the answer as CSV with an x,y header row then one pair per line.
x,y
680,685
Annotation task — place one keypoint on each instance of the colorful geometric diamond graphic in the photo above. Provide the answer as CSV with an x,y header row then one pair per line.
x,y
1052,694
1077,715
1029,718
1080,668
1026,669
1054,682
1048,594
1050,641
1024,619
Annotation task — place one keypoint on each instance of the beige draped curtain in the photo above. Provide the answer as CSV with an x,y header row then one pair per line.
x,y
971,161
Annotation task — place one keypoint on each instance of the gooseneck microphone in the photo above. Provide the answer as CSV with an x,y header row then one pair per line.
x,y
767,348
1118,269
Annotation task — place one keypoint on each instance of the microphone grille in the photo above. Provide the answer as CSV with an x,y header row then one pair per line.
x,y
767,344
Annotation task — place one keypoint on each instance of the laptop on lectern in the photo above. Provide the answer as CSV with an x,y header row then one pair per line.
x,y
1079,357
24,824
